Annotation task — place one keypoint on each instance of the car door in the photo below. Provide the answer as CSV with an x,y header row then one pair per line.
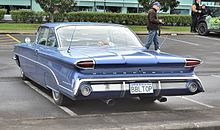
x,y
215,21
46,51
28,59
41,67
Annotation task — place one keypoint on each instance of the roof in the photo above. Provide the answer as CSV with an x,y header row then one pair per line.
x,y
58,24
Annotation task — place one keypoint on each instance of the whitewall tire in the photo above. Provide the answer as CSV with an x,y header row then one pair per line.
x,y
58,98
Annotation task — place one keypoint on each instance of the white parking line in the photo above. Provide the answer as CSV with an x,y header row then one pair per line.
x,y
200,103
65,109
217,39
191,43
217,76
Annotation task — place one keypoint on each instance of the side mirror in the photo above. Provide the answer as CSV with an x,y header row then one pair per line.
x,y
27,40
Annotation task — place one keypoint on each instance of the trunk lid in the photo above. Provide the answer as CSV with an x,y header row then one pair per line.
x,y
132,61
128,56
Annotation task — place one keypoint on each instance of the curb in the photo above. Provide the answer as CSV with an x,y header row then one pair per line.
x,y
214,125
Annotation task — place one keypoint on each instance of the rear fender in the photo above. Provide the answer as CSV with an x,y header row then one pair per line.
x,y
50,82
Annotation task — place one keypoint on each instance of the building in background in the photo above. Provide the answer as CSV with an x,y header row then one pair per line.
x,y
186,5
19,4
119,6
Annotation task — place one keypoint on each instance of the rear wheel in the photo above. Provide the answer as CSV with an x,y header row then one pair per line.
x,y
203,29
58,98
23,76
148,99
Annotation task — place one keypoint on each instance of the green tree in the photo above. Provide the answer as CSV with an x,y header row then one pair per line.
x,y
56,8
166,4
146,4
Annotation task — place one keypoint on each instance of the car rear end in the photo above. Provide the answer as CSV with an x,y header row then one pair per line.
x,y
109,65
168,76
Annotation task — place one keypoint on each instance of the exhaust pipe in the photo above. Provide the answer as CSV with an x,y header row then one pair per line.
x,y
109,102
162,99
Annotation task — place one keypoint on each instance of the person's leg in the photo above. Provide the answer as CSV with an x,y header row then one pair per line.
x,y
149,39
194,23
191,29
156,43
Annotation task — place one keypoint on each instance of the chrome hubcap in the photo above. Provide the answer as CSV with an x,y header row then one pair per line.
x,y
56,95
22,73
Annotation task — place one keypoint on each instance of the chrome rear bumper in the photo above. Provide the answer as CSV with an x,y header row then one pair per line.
x,y
107,84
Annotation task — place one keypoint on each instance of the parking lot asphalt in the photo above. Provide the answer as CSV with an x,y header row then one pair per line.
x,y
25,105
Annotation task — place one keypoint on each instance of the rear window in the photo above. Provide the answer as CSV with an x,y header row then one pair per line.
x,y
108,36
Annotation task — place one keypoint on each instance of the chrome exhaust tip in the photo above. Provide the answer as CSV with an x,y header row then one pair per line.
x,y
109,102
162,99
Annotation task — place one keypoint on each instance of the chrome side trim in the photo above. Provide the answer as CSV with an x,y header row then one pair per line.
x,y
55,77
132,79
51,88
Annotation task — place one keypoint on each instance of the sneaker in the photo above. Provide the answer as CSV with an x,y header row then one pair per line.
x,y
158,51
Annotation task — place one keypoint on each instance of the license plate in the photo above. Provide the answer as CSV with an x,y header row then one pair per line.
x,y
140,88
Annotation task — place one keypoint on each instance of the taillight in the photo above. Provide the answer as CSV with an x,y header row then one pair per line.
x,y
192,62
86,64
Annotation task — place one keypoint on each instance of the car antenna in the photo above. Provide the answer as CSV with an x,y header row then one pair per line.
x,y
159,33
68,50
161,44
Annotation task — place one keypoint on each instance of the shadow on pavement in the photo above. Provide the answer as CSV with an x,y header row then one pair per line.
x,y
86,107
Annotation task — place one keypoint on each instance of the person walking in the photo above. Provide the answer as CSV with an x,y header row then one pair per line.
x,y
153,26
195,15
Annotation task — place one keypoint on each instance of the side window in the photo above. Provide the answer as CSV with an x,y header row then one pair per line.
x,y
51,41
46,37
43,33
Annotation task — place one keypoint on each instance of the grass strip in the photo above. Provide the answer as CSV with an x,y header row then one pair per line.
x,y
163,28
24,26
18,26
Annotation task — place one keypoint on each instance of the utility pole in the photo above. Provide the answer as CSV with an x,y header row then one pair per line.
x,y
94,5
31,4
104,5
122,7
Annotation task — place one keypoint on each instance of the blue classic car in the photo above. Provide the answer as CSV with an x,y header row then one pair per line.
x,y
85,61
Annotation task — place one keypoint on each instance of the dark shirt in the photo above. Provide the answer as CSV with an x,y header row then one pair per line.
x,y
204,12
152,20
196,14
